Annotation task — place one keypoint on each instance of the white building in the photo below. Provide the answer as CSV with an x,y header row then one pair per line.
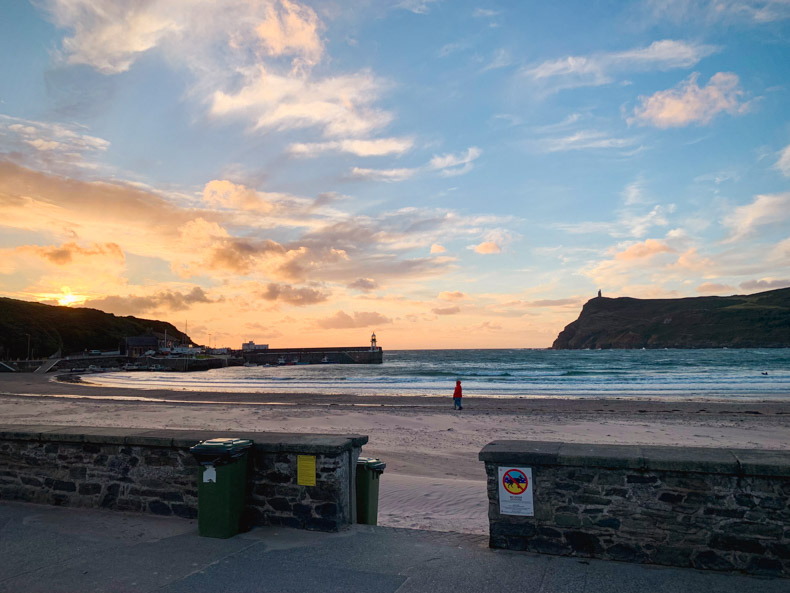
x,y
252,346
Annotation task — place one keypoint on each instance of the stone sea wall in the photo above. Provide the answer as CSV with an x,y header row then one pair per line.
x,y
695,507
152,471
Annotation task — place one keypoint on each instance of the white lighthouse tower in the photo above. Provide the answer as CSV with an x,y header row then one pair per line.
x,y
373,346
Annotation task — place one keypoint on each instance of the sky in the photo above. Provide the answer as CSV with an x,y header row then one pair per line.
x,y
448,174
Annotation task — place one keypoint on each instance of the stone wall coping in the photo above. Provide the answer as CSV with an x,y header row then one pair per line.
x,y
724,461
276,442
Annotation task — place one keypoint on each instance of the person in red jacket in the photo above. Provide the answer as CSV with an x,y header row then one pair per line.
x,y
457,396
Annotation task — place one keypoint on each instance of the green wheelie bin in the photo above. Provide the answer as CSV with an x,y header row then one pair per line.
x,y
222,481
369,471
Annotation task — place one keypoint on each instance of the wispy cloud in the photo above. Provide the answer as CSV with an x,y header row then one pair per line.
x,y
448,165
417,6
388,175
689,103
446,310
500,59
451,165
363,148
602,68
740,11
783,164
51,146
765,210
342,320
485,13
583,140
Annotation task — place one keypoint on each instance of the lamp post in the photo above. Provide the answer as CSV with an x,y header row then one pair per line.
x,y
28,346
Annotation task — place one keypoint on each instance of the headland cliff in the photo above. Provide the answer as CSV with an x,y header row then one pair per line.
x,y
760,320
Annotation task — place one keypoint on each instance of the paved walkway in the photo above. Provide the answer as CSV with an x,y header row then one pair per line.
x,y
56,549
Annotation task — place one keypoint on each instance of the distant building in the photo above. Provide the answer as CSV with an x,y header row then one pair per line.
x,y
138,345
252,346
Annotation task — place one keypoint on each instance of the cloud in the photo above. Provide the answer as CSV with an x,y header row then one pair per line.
x,y
364,284
109,36
455,164
736,11
342,320
765,210
339,106
291,29
713,288
691,260
221,193
262,75
293,296
783,164
417,6
446,310
485,13
583,140
555,302
649,248
388,175
688,103
67,252
451,296
436,248
448,165
134,305
49,146
599,69
487,248
765,284
501,59
363,148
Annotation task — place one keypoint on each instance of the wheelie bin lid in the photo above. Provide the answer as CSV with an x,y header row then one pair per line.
x,y
371,463
224,448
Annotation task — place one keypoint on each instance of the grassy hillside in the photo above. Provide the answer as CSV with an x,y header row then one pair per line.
x,y
741,321
68,329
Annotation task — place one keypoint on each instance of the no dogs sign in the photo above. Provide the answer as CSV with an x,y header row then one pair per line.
x,y
515,491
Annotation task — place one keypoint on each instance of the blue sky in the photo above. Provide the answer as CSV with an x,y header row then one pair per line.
x,y
448,174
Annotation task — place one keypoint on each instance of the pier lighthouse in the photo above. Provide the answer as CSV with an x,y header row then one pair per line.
x,y
373,346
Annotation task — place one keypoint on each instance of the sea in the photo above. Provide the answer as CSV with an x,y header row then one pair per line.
x,y
731,374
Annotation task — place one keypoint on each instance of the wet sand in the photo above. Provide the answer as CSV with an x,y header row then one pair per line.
x,y
433,478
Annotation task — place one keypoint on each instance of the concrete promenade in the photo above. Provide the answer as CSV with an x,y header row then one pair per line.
x,y
53,549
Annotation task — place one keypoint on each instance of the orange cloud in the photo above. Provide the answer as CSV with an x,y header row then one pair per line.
x,y
451,296
342,320
689,103
649,248
436,248
713,288
294,296
64,254
487,247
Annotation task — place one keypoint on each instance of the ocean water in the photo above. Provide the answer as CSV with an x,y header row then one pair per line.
x,y
686,374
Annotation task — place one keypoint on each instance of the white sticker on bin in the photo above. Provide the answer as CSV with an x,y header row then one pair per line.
x,y
209,474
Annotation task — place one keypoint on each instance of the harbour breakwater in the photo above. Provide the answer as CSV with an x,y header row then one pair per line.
x,y
334,355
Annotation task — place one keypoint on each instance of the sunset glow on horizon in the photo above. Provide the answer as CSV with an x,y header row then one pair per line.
x,y
446,174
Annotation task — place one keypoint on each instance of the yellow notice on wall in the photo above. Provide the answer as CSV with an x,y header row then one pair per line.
x,y
305,470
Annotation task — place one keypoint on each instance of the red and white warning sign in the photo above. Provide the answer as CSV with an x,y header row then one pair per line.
x,y
515,491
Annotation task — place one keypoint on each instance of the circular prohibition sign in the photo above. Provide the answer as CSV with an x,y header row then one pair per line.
x,y
515,481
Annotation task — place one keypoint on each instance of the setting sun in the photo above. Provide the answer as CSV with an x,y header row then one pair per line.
x,y
68,298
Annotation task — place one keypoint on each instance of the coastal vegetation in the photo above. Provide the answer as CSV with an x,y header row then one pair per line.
x,y
35,330
760,320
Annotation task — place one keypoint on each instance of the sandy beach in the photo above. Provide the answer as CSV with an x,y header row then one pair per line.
x,y
433,478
